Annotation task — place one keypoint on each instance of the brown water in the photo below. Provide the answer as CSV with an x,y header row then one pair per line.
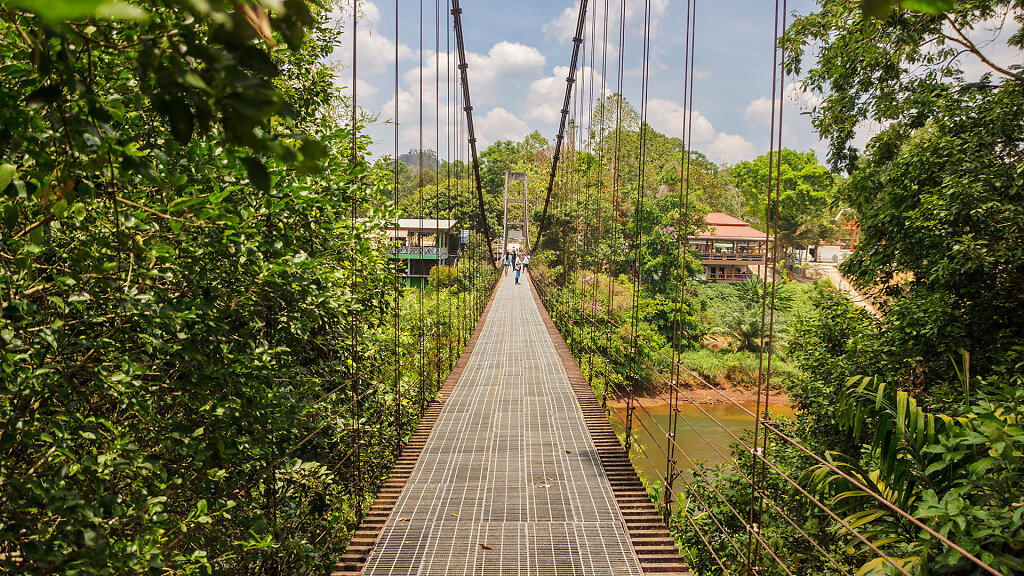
x,y
703,434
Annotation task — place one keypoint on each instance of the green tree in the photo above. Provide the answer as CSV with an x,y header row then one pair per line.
x,y
710,186
937,195
192,271
804,195
892,69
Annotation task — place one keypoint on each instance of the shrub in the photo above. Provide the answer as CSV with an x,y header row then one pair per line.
x,y
442,277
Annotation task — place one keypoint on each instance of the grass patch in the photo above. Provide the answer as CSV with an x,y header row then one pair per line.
x,y
725,367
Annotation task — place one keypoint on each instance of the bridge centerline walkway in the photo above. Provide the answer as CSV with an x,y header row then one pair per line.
x,y
509,481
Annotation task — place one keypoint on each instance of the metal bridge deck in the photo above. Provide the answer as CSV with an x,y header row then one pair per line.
x,y
509,481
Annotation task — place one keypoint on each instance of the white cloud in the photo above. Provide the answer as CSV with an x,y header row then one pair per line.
x,y
545,98
499,73
658,10
499,124
408,105
797,131
375,50
730,148
492,76
666,116
505,61
437,74
514,57
759,111
435,118
365,89
546,95
563,27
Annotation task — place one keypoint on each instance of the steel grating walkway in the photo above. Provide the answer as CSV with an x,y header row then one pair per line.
x,y
509,481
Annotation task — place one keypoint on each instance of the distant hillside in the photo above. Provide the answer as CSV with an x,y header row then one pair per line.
x,y
412,159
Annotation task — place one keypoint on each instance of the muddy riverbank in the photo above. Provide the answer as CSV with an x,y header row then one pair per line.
x,y
707,396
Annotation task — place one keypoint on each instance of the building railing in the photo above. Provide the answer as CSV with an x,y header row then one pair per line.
x,y
424,250
729,276
748,256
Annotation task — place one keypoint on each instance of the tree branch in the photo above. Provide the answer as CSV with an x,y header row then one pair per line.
x,y
973,49
146,209
33,226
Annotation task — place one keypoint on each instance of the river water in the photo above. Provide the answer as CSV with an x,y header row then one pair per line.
x,y
703,434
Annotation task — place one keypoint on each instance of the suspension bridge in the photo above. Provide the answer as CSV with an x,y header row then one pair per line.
x,y
516,468
229,349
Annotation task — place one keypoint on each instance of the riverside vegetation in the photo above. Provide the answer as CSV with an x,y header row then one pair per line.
x,y
926,405
197,308
931,398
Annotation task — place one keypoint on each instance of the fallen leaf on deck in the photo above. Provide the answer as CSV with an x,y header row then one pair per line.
x,y
486,547
404,519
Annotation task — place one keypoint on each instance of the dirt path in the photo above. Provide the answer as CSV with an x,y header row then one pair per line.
x,y
826,270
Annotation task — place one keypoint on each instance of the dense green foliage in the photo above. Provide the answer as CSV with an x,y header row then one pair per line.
x,y
197,309
930,411
941,207
959,475
938,193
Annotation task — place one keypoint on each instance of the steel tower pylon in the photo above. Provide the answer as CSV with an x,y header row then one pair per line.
x,y
517,219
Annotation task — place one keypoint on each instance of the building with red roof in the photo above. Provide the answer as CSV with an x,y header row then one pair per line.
x,y
728,247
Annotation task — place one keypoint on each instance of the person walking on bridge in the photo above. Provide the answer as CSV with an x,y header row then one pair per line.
x,y
506,262
519,270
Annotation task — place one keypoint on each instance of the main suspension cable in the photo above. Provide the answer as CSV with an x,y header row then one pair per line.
x,y
468,107
577,40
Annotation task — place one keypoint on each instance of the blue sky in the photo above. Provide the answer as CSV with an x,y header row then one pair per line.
x,y
518,53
